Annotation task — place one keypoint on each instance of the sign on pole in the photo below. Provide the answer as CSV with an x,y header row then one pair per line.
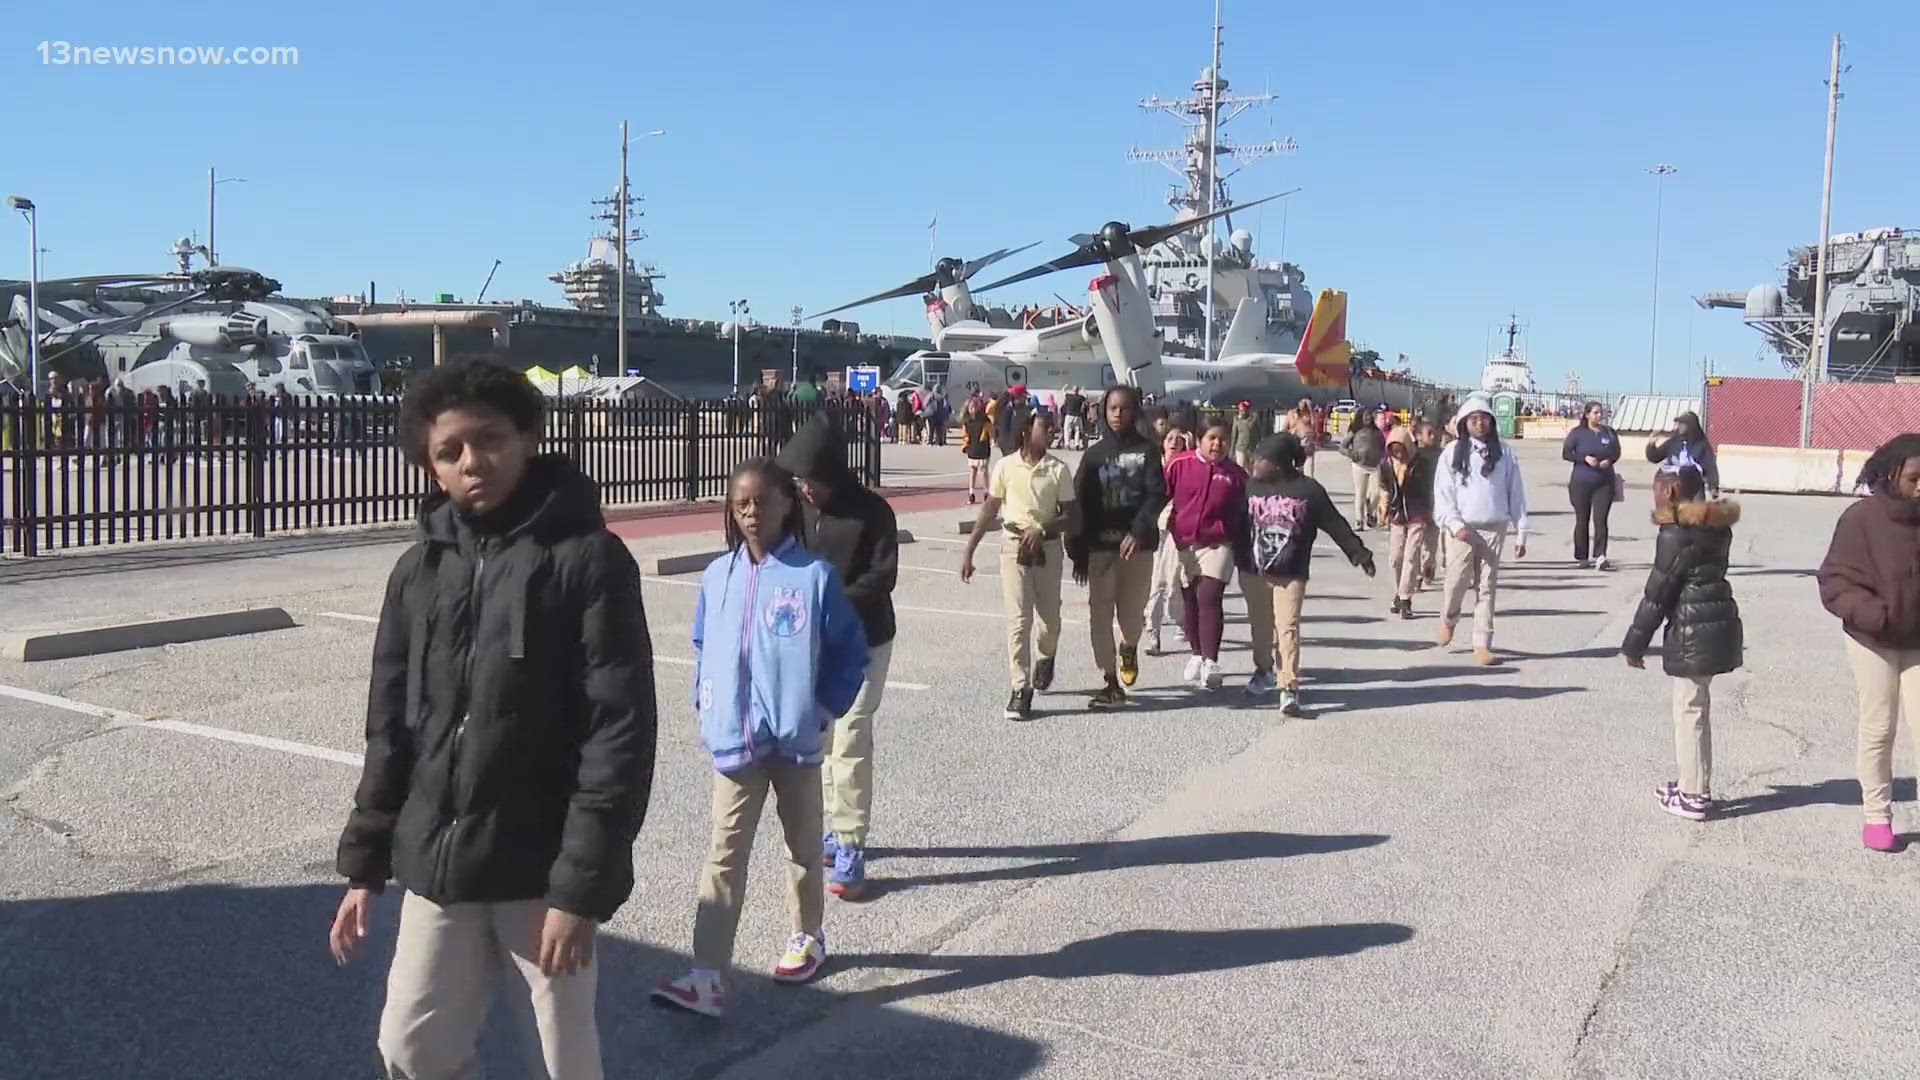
x,y
863,380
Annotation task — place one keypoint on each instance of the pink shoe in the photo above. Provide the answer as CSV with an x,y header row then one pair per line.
x,y
1879,837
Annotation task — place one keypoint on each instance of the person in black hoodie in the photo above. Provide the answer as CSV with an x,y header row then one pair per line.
x,y
1687,589
855,530
1121,488
510,735
1286,510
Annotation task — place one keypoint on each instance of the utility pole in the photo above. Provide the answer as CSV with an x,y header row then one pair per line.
x,y
1660,174
738,308
620,231
1815,368
1213,178
797,310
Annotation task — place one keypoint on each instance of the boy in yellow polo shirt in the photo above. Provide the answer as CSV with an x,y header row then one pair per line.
x,y
1032,492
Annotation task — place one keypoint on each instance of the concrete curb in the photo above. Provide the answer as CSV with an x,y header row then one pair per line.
x,y
64,644
673,565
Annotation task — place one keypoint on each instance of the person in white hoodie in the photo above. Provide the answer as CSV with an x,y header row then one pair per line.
x,y
1479,501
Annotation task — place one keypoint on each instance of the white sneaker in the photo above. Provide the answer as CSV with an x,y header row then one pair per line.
x,y
1261,684
1210,674
698,991
1601,563
1153,643
1193,670
1290,703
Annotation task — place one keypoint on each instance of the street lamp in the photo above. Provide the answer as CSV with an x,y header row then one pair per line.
x,y
738,308
212,258
25,206
1660,174
797,310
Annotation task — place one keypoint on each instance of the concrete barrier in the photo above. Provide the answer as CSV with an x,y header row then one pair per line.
x,y
65,644
672,565
1788,469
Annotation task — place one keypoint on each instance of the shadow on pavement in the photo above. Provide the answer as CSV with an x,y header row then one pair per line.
x,y
226,981
1789,796
1137,953
1773,571
1345,676
1095,855
1358,699
1591,652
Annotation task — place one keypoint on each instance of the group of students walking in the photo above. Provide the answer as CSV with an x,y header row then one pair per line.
x,y
511,718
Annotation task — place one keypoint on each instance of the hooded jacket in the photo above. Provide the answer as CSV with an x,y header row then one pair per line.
x,y
856,530
1284,517
1365,443
1688,590
1480,498
1411,499
510,711
1010,422
779,655
1871,575
1121,488
1209,501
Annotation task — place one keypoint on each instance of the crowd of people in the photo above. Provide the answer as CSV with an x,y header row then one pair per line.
x,y
511,721
93,415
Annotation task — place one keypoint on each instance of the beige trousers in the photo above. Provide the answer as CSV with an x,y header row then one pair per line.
x,y
1364,480
738,799
846,773
1273,604
1474,563
1117,588
1693,733
1164,598
1407,555
445,963
1030,594
1888,684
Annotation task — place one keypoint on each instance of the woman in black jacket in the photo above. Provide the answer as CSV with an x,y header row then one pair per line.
x,y
1681,446
1688,591
1592,447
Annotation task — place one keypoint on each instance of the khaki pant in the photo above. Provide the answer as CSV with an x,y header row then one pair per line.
x,y
1244,459
1117,587
1888,684
1407,555
1165,591
1474,563
1364,480
1030,594
846,773
1693,733
445,964
1306,460
1273,604
738,799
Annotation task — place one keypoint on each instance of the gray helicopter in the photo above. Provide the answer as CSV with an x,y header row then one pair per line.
x,y
219,328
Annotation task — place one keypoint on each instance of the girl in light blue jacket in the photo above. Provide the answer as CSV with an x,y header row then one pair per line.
x,y
779,655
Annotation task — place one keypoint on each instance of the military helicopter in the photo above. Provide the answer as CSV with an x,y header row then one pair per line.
x,y
218,328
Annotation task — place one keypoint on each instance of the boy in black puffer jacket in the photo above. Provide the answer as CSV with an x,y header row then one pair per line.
x,y
1688,590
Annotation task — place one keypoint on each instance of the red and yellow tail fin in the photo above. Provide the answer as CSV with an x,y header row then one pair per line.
x,y
1325,354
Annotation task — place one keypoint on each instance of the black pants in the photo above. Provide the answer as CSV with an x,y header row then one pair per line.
x,y
1592,502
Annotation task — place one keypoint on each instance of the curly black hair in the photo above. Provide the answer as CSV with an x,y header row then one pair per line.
x,y
777,478
1884,465
463,383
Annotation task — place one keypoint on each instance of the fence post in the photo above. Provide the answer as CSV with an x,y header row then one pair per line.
x,y
26,470
871,432
691,465
257,468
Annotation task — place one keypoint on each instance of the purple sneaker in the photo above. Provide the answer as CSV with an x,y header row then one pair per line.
x,y
848,878
829,849
1680,804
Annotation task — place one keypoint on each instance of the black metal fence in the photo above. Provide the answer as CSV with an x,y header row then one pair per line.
x,y
78,474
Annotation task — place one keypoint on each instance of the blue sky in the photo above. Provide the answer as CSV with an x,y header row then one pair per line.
x,y
1456,162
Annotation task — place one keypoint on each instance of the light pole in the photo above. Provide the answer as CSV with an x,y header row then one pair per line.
x,y
1660,174
738,308
25,206
212,258
797,310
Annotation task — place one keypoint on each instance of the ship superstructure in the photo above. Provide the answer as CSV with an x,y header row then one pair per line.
x,y
1509,369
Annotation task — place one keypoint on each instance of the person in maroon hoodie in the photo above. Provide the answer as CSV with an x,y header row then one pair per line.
x,y
1208,493
1871,580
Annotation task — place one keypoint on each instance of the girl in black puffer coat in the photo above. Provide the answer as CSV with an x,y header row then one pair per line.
x,y
1688,591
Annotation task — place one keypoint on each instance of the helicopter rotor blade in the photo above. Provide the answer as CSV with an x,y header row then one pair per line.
x,y
1154,234
918,285
974,266
1084,256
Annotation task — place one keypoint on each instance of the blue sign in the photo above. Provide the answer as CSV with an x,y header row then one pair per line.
x,y
863,380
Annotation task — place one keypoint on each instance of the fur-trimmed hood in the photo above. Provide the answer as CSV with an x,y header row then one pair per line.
x,y
1706,514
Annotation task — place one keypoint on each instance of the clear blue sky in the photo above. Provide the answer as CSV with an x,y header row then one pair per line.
x,y
1457,161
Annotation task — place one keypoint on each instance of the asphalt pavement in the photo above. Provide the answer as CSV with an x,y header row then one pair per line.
x,y
1442,870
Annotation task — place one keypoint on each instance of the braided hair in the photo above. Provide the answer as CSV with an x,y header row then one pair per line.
x,y
1883,467
1463,451
777,478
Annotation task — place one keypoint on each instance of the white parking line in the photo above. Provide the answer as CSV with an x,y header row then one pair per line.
x,y
182,727
350,616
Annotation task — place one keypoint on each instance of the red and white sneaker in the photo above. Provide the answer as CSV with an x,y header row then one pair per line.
x,y
805,953
698,991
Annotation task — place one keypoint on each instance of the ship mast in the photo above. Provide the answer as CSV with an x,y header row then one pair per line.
x,y
1213,172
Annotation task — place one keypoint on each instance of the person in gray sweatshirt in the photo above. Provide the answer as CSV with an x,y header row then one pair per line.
x,y
1479,501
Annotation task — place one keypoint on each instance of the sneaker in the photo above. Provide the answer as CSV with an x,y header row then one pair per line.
x,y
1601,563
1879,837
1584,564
1109,697
972,499
1406,608
829,848
1129,665
848,878
698,991
1153,643
1289,701
1680,804
1043,674
1483,655
1445,637
805,953
1192,674
1261,684
1210,676
1015,710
